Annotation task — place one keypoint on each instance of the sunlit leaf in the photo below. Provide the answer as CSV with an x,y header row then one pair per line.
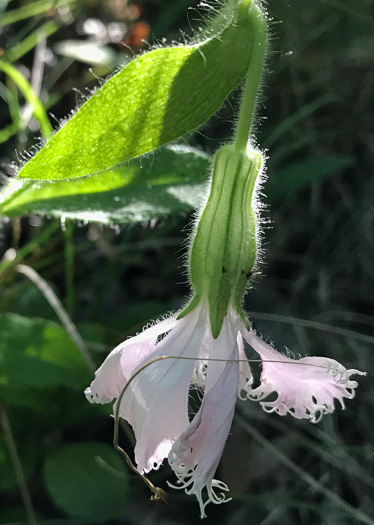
x,y
169,181
155,99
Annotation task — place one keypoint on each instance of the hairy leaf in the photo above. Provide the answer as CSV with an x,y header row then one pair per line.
x,y
155,99
169,181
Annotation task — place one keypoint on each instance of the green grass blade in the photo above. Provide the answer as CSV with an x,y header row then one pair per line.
x,y
33,9
304,112
28,43
8,132
30,95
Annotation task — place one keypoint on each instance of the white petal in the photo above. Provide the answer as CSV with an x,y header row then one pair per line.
x,y
121,363
196,453
156,403
245,374
305,388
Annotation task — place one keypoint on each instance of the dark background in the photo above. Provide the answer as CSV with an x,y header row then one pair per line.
x,y
314,295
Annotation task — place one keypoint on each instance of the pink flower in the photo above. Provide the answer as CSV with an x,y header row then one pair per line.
x,y
156,403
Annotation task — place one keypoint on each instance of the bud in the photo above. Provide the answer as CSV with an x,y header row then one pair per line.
x,y
224,247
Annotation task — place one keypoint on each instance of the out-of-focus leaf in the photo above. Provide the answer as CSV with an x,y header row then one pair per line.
x,y
8,479
3,5
89,53
13,515
26,521
169,181
298,175
292,120
35,353
23,299
87,480
155,99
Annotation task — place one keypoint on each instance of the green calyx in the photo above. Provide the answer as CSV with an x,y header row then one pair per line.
x,y
223,251
244,9
224,248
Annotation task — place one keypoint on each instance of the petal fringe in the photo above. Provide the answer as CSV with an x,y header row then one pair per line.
x,y
195,455
245,374
306,388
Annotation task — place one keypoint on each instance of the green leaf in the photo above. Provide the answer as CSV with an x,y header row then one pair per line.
x,y
87,480
169,181
296,176
28,457
155,99
37,353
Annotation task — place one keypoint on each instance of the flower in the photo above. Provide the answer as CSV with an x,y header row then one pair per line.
x,y
207,341
157,402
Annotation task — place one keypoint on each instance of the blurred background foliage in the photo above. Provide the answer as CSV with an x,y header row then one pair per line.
x,y
314,295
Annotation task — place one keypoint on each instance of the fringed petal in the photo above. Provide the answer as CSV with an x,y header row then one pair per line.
x,y
306,388
121,363
245,374
196,453
156,403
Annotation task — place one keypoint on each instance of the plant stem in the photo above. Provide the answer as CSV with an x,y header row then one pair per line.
x,y
244,127
60,311
69,267
17,466
35,244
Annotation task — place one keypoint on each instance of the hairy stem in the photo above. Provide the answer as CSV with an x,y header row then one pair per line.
x,y
245,123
